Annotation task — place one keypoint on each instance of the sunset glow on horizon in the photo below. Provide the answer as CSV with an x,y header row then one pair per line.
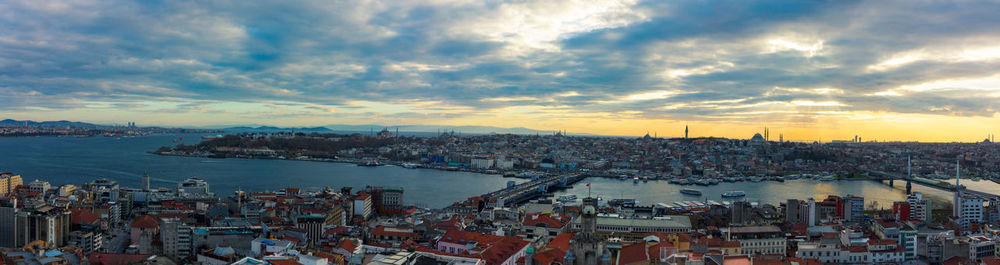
x,y
808,71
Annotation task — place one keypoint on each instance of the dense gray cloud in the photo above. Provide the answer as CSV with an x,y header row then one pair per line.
x,y
715,60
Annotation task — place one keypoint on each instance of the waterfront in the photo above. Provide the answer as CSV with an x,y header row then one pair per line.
x,y
68,160
656,191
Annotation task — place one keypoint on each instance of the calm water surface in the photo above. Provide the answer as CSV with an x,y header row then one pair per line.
x,y
62,160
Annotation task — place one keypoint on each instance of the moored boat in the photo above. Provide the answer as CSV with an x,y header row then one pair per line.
x,y
734,194
691,192
567,198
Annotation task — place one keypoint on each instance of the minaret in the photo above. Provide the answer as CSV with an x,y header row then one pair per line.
x,y
956,210
685,131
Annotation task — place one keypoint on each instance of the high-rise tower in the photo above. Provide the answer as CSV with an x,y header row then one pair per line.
x,y
145,182
685,131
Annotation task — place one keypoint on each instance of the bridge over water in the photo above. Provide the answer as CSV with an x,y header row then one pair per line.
x,y
535,188
881,176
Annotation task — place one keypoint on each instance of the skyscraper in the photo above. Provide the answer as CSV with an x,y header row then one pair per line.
x,y
8,223
145,182
685,131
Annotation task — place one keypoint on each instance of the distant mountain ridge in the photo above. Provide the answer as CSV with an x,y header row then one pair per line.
x,y
274,129
368,128
50,124
338,128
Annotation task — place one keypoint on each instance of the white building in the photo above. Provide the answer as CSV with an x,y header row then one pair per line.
x,y
193,185
758,239
363,205
504,163
482,163
920,208
39,186
969,210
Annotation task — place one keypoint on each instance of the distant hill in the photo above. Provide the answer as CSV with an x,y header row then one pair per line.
x,y
438,128
275,129
417,130
49,124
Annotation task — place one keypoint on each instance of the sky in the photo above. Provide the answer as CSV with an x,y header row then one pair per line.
x,y
808,70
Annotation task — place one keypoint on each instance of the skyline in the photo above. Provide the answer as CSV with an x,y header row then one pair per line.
x,y
891,70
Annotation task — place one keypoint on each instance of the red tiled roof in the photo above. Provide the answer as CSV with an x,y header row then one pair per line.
x,y
991,261
463,237
84,216
145,221
957,260
347,244
502,250
547,220
561,241
633,254
736,260
336,231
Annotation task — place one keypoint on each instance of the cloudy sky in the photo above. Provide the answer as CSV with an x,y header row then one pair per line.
x,y
889,70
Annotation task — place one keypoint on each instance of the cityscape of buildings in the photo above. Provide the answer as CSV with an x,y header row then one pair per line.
x,y
101,222
647,157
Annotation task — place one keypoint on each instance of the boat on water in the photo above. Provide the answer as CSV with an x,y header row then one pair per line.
x,y
567,198
409,165
701,182
369,163
674,181
977,179
635,180
691,192
756,179
827,178
734,194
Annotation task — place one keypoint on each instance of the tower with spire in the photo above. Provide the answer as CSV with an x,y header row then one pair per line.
x,y
685,131
587,246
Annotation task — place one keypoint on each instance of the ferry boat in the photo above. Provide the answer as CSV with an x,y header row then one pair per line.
x,y
567,198
691,192
734,194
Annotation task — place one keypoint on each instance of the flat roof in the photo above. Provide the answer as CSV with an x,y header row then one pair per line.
x,y
670,221
754,229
